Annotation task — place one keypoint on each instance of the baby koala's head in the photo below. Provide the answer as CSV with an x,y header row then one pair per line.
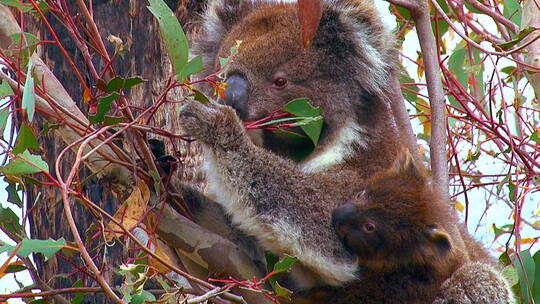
x,y
396,221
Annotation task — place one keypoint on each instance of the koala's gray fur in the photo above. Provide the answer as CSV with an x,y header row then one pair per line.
x,y
475,283
282,199
346,71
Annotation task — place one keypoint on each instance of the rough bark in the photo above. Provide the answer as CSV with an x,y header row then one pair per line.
x,y
132,22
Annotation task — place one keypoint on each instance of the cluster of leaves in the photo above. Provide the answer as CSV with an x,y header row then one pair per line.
x,y
104,111
493,121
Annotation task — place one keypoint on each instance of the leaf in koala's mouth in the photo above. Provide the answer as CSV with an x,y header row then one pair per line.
x,y
297,113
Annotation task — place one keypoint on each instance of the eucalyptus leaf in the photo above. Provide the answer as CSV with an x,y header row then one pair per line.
x,y
9,221
173,35
525,267
301,107
6,90
25,140
47,248
25,163
194,66
104,106
4,115
29,98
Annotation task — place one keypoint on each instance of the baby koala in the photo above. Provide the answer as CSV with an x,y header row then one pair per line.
x,y
409,247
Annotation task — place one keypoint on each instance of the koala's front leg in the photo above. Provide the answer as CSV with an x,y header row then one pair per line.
x,y
216,126
234,165
268,197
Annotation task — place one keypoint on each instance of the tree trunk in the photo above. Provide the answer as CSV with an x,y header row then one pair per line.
x,y
131,21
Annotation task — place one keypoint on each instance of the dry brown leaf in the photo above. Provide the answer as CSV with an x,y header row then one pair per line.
x,y
309,14
131,211
156,265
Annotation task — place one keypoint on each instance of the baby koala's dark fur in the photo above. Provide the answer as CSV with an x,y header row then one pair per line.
x,y
407,241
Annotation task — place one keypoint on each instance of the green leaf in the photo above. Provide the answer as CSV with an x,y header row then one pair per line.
x,y
104,106
43,6
511,191
526,269
441,23
302,107
25,163
13,193
522,34
47,127
477,71
504,259
17,4
503,229
29,98
271,260
223,61
473,9
143,297
284,264
456,66
15,268
295,121
25,140
79,296
282,291
46,247
4,115
508,70
405,78
510,274
118,83
25,7
112,120
27,47
472,156
199,96
10,221
535,136
512,11
5,90
157,181
172,33
192,67
536,284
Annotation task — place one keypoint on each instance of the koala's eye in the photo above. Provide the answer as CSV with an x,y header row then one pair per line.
x,y
280,82
369,227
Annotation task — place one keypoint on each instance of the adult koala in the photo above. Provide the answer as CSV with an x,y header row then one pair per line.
x,y
273,187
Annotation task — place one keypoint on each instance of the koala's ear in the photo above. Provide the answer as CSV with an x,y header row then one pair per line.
x,y
407,165
439,239
222,15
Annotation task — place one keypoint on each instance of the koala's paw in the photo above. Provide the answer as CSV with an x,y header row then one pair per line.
x,y
212,124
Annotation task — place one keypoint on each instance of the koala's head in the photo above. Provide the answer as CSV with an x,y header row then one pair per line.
x,y
345,70
397,221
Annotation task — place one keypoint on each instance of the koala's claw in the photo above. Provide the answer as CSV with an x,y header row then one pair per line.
x,y
212,124
195,119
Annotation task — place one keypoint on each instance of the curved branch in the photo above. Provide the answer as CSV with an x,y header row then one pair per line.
x,y
437,144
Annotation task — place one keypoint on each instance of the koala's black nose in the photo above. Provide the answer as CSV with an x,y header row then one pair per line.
x,y
343,217
236,94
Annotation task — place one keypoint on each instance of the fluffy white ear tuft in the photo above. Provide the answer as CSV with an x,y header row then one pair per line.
x,y
222,15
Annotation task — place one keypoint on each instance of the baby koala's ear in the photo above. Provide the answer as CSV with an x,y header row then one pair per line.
x,y
407,166
439,240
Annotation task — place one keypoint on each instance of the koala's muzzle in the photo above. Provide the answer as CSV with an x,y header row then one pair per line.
x,y
236,94
344,219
